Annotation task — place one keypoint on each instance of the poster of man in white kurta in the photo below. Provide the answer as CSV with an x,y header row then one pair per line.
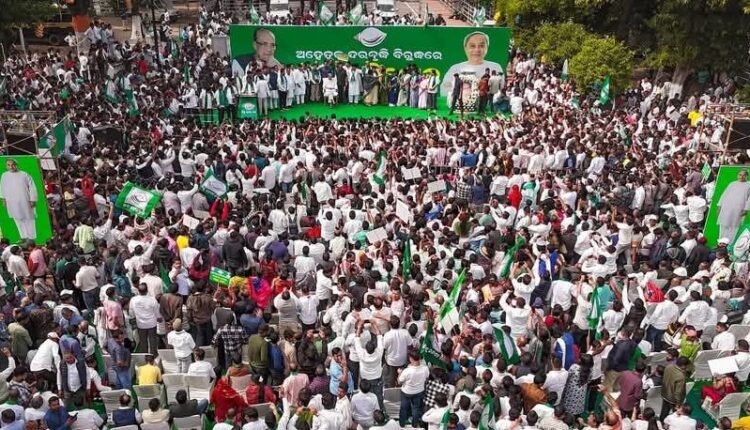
x,y
19,196
733,205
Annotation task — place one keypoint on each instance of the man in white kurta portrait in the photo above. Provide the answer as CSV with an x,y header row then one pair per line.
x,y
19,196
733,206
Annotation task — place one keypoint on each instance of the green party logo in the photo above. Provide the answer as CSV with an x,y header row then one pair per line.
x,y
370,37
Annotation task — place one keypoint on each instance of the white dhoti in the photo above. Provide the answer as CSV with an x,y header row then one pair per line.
x,y
733,203
19,192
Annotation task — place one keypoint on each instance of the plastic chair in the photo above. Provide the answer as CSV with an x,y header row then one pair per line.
x,y
654,400
199,387
147,392
194,422
111,400
730,406
264,410
125,428
173,382
702,371
392,401
157,426
739,331
168,360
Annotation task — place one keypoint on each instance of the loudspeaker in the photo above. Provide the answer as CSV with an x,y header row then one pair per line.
x,y
739,135
20,143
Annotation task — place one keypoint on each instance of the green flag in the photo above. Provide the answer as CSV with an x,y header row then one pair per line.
x,y
486,420
448,314
706,171
186,72
575,102
508,258
507,345
219,276
325,15
133,109
480,15
426,349
213,186
136,200
58,138
406,265
3,87
254,15
595,314
379,176
604,93
356,17
165,279
564,74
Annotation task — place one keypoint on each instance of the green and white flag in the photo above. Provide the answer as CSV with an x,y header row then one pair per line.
x,y
212,186
448,314
604,92
254,15
507,345
595,315
3,87
575,102
219,276
706,171
487,419
325,15
508,258
136,200
58,138
406,265
379,176
133,109
480,15
741,245
564,74
186,72
427,350
356,15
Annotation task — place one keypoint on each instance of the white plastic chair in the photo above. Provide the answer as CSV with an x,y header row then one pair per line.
x,y
688,388
657,358
392,401
739,331
111,400
654,399
240,383
173,382
199,387
702,371
194,422
168,361
264,410
147,392
125,428
157,426
211,355
730,406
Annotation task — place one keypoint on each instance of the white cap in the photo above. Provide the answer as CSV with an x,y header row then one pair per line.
x,y
680,271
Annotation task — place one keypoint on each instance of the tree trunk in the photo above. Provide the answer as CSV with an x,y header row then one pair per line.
x,y
679,76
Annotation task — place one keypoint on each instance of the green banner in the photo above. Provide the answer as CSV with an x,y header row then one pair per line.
x,y
730,205
23,202
446,50
247,108
219,276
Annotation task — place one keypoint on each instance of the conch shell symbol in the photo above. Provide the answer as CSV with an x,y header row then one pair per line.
x,y
370,37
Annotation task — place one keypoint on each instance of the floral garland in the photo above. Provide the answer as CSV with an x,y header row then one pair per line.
x,y
471,103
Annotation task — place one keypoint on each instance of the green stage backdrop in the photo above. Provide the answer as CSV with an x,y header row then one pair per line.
x,y
444,49
730,198
16,190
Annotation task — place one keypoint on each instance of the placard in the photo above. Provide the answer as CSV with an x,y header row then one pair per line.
x,y
410,174
723,366
403,212
190,222
436,186
377,235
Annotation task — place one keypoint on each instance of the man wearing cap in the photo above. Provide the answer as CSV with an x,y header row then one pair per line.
x,y
183,344
47,359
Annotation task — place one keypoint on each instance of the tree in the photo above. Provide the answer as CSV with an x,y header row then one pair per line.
x,y
22,13
556,42
600,57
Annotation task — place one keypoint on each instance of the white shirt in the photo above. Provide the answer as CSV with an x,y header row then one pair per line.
x,y
363,405
47,357
413,378
370,365
74,381
562,293
308,309
743,363
146,311
696,314
202,368
679,422
556,382
396,343
182,342
665,314
724,341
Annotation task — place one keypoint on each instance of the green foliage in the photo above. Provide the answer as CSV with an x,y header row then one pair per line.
x,y
556,42
22,13
743,94
600,57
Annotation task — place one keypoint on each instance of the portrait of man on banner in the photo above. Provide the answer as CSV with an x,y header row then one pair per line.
x,y
18,194
476,47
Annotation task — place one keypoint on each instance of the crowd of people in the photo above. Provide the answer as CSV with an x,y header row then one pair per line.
x,y
568,237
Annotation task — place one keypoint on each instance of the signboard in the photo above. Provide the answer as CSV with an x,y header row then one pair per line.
x,y
219,276
730,205
23,202
444,50
247,108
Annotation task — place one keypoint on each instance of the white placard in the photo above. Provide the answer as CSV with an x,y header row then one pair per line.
x,y
436,187
723,366
190,222
403,212
377,235
409,174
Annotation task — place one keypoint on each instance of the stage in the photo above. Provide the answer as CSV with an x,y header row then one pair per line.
x,y
320,110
